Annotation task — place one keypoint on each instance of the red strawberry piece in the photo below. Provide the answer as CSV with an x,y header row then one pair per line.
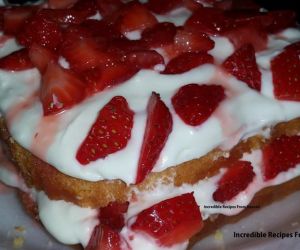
x,y
14,18
61,4
195,103
89,7
171,221
236,179
83,53
104,238
60,89
41,56
159,35
38,29
286,79
193,5
123,45
107,7
16,61
282,154
186,41
281,19
64,16
100,78
144,59
158,127
110,132
247,34
135,17
113,215
208,20
163,7
187,61
237,5
242,64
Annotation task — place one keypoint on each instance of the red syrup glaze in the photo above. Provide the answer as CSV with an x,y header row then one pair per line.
x,y
44,135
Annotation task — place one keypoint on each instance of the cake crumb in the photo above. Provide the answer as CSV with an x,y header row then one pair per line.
x,y
218,235
18,242
19,229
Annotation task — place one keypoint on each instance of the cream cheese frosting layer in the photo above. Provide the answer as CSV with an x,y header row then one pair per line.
x,y
56,139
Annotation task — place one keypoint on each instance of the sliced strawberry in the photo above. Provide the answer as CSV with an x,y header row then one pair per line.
x,y
14,18
187,61
107,7
195,103
193,5
83,53
242,64
123,45
61,4
282,154
159,35
110,132
144,59
236,179
163,7
104,238
100,78
41,56
136,17
89,7
247,34
60,89
171,221
38,29
286,80
113,215
158,127
237,5
281,19
208,20
16,61
186,41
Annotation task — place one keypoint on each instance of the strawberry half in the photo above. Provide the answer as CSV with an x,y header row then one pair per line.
x,y
110,132
144,59
107,7
282,154
60,89
113,215
16,61
195,103
158,127
135,17
242,65
171,221
14,18
99,79
41,56
236,179
286,80
187,61
104,238
163,7
41,30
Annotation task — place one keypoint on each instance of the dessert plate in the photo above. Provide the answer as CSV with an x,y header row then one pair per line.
x,y
18,231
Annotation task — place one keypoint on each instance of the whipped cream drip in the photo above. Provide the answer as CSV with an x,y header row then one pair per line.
x,y
245,109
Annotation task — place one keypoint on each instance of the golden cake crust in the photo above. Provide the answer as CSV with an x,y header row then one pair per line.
x,y
59,186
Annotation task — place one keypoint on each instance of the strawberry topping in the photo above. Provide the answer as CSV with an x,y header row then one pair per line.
x,y
187,61
195,103
282,154
162,7
287,79
171,221
60,90
16,61
104,238
236,179
158,127
110,132
242,64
